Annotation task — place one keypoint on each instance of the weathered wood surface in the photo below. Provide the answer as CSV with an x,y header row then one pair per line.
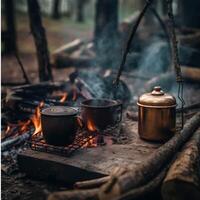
x,y
183,178
91,162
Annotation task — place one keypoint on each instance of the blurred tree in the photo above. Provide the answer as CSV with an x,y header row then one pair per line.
x,y
39,36
106,30
80,17
189,12
9,36
56,9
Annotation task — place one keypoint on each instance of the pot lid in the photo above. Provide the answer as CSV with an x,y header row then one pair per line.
x,y
157,98
59,111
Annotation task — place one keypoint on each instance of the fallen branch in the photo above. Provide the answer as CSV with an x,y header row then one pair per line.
x,y
145,189
22,68
69,47
91,183
63,61
182,180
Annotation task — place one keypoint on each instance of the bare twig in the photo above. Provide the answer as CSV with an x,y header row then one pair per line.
x,y
22,68
130,38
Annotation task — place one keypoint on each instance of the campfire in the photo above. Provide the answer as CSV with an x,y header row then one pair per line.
x,y
87,135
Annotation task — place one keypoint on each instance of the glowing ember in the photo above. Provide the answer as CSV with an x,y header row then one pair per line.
x,y
91,143
64,97
36,119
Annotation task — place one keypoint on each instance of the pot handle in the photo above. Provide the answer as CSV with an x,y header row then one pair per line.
x,y
119,112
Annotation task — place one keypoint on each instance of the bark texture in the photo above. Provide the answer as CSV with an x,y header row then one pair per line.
x,y
182,180
10,35
40,40
106,32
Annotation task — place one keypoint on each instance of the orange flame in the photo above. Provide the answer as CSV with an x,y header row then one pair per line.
x,y
7,129
36,119
24,126
91,126
64,97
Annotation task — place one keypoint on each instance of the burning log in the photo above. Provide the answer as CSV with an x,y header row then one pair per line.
x,y
143,174
16,140
182,180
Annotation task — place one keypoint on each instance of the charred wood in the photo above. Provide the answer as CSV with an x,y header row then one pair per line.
x,y
63,61
9,143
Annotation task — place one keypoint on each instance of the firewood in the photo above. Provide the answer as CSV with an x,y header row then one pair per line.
x,y
117,171
145,189
69,47
144,173
182,180
191,73
91,183
151,166
64,60
16,140
166,80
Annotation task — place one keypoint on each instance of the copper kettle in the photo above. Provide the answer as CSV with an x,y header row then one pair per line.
x,y
157,115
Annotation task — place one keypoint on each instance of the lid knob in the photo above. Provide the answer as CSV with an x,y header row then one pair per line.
x,y
157,91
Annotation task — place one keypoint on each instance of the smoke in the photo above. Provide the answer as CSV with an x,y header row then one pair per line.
x,y
155,59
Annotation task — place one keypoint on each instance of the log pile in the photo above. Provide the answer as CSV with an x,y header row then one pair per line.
x,y
148,176
182,180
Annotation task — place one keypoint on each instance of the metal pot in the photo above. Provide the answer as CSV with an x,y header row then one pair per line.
x,y
157,115
59,125
101,114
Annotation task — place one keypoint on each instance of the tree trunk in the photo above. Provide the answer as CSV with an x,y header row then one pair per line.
x,y
56,9
80,10
182,180
189,13
106,31
10,34
39,36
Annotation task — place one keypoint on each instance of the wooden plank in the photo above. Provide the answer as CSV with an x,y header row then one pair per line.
x,y
88,163
46,166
